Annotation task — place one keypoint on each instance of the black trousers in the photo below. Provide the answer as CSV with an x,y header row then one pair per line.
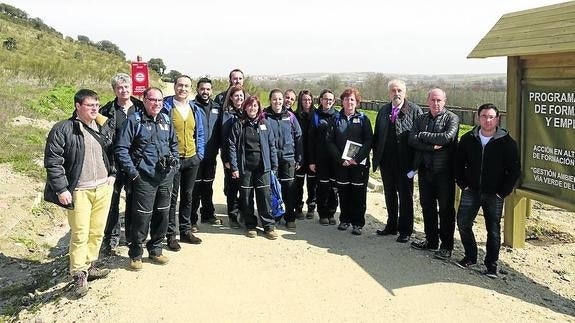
x,y
304,174
183,184
326,189
351,184
204,191
398,192
113,230
150,208
232,190
257,181
437,197
286,176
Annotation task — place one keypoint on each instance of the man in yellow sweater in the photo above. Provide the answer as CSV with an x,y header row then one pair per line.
x,y
189,131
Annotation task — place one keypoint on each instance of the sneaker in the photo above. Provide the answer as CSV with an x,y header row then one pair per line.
x,y
252,233
324,221
135,264
403,238
299,215
442,254
234,224
159,259
290,224
80,284
194,228
423,245
310,214
189,237
271,234
212,220
356,230
491,271
343,226
466,263
97,273
387,231
173,244
332,221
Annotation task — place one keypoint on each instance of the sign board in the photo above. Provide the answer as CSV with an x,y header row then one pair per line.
x,y
139,77
548,138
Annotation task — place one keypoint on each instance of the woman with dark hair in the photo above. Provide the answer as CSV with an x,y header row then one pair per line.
x,y
319,160
349,142
252,156
232,110
305,110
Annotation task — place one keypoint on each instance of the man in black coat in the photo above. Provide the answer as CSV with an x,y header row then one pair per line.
x,y
486,171
393,155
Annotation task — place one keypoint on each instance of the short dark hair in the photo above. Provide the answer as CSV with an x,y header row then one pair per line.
x,y
272,92
233,71
146,91
487,106
82,94
203,80
324,91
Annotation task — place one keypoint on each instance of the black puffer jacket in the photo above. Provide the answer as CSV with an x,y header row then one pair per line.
x,y
492,169
64,155
428,132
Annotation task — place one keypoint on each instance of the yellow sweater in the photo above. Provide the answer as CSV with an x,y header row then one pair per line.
x,y
185,133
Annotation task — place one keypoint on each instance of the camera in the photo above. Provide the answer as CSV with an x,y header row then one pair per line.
x,y
166,164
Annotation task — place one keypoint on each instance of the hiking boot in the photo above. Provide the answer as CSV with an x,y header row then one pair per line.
x,y
324,221
343,226
189,237
173,244
356,230
332,221
466,263
194,228
159,259
80,284
135,264
97,273
491,271
423,245
234,224
403,238
310,214
299,215
442,254
271,234
252,233
290,224
212,220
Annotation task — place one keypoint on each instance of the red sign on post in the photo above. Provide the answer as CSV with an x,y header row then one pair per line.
x,y
139,77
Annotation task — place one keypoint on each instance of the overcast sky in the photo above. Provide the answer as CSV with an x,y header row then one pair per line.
x,y
284,37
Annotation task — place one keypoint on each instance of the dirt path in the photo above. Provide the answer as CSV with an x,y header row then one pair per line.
x,y
316,274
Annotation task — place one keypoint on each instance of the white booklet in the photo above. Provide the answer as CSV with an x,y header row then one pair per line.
x,y
351,148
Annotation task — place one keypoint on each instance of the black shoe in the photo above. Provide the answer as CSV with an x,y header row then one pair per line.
x,y
442,254
332,221
386,232
356,230
234,224
173,244
108,251
343,226
423,245
189,237
491,271
403,238
299,215
212,220
466,263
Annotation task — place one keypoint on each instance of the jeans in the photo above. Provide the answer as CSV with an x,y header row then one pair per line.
x,y
87,221
183,184
492,206
150,208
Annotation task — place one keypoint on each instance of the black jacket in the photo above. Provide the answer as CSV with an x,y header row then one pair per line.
x,y
318,127
492,169
427,132
304,120
407,115
212,122
64,155
111,110
236,145
357,128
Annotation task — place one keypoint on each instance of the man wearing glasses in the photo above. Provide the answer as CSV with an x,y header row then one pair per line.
x,y
487,168
80,177
147,152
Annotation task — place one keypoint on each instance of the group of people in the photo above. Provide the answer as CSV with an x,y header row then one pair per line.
x,y
164,147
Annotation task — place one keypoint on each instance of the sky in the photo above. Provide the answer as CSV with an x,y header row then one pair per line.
x,y
267,37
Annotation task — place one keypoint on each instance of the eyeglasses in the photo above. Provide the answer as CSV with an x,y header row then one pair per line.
x,y
486,117
92,105
154,100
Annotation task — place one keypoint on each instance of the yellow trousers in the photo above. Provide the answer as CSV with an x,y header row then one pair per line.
x,y
87,222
